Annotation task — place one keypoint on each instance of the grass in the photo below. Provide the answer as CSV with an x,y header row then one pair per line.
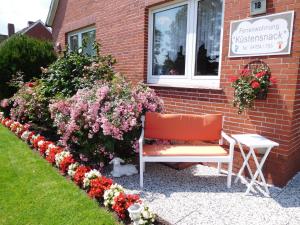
x,y
33,192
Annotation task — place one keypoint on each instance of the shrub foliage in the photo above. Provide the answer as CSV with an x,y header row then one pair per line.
x,y
22,53
95,111
74,71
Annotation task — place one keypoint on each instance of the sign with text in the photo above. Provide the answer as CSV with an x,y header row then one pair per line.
x,y
265,35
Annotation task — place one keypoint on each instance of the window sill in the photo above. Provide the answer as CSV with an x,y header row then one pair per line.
x,y
185,86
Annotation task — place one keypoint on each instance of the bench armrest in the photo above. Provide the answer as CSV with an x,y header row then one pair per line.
x,y
231,142
141,139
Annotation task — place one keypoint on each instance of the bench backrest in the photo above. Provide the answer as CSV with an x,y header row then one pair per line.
x,y
183,127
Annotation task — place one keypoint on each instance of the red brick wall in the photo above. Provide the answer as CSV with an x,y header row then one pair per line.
x,y
121,27
40,32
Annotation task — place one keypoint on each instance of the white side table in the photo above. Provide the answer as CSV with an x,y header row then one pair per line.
x,y
263,146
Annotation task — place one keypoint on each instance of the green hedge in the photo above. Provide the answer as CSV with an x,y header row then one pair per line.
x,y
25,54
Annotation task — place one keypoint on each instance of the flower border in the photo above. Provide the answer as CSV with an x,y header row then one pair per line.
x,y
99,187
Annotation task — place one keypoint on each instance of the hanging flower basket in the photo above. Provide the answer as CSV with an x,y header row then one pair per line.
x,y
252,83
262,95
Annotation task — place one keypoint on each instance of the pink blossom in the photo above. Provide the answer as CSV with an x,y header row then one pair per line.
x,y
4,103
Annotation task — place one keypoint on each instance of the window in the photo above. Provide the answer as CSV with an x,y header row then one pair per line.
x,y
84,39
185,43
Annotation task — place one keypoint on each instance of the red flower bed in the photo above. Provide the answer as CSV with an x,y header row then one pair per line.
x,y
65,163
123,202
98,186
79,174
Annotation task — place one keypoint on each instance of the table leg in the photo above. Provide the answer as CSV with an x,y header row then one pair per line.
x,y
246,158
259,170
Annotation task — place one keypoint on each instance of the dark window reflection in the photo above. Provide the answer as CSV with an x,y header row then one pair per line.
x,y
88,39
169,41
209,23
74,42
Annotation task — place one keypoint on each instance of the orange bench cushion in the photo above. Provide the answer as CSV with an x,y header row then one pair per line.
x,y
183,150
183,127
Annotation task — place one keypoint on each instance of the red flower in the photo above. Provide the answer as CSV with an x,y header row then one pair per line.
x,y
30,84
245,72
273,80
43,148
36,141
98,186
30,136
65,163
8,123
79,174
51,156
123,202
255,85
261,74
4,121
26,126
233,79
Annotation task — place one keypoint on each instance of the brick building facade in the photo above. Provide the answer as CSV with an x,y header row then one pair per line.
x,y
34,29
121,26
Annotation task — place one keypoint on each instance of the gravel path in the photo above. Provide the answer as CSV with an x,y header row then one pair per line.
x,y
198,195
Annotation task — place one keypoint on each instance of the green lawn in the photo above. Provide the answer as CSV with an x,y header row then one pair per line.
x,y
33,192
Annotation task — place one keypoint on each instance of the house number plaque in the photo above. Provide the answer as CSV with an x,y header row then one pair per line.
x,y
258,7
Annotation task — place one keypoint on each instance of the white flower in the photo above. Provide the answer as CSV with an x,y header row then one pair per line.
x,y
49,148
89,176
111,193
7,122
40,143
25,135
60,156
147,217
19,129
33,138
72,168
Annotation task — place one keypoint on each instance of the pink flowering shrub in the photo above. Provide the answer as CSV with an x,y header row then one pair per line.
x,y
29,104
105,119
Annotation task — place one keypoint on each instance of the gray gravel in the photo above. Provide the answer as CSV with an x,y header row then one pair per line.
x,y
198,195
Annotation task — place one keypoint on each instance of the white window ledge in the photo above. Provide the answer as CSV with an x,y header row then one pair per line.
x,y
185,86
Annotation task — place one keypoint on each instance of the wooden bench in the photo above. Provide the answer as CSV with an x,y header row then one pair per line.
x,y
185,128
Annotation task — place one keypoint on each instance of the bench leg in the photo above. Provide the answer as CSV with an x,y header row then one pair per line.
x,y
229,175
219,167
141,173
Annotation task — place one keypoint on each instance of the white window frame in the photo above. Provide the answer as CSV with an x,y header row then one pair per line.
x,y
189,79
79,35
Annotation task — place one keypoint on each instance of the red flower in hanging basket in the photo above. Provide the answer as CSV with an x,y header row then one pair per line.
x,y
233,78
245,72
255,85
261,74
